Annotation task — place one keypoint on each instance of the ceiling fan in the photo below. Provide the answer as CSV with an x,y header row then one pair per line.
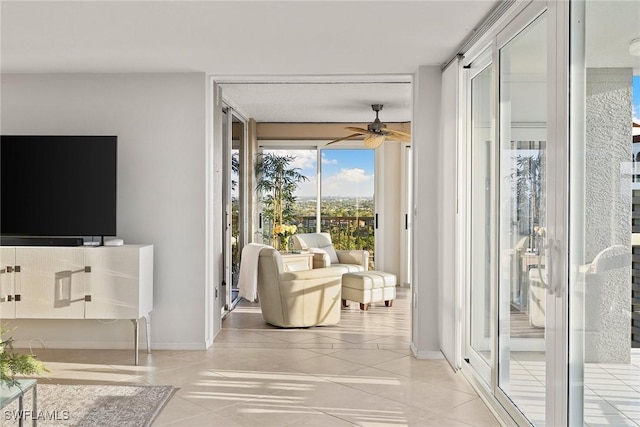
x,y
376,132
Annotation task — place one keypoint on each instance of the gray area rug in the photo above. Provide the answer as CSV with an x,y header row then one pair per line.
x,y
94,405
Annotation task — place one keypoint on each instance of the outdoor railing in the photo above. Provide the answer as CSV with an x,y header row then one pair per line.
x,y
347,232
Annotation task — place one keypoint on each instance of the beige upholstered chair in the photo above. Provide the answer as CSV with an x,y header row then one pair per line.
x,y
325,255
297,299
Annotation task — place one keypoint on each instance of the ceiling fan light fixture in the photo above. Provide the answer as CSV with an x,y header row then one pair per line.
x,y
634,47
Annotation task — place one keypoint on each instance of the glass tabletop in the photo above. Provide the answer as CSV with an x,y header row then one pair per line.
x,y
9,394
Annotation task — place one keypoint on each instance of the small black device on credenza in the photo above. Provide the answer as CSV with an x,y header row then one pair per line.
x,y
56,189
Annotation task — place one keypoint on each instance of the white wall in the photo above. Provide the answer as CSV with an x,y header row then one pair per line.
x,y
448,277
425,274
608,195
160,122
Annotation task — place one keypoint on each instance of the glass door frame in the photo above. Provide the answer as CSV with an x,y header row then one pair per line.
x,y
472,69
229,114
557,320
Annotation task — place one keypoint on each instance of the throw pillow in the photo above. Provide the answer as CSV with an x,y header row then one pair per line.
x,y
333,256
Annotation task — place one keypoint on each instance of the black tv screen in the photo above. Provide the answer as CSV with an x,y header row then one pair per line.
x,y
58,185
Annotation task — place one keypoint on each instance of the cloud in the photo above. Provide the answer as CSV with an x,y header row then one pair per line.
x,y
326,161
353,175
348,183
307,188
304,159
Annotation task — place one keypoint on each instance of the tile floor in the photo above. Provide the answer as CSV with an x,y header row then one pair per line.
x,y
360,373
611,392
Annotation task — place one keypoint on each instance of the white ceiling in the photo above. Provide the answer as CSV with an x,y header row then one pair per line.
x,y
322,102
283,41
610,27
384,39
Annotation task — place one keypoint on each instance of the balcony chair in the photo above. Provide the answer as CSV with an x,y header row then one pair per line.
x,y
609,271
326,255
298,299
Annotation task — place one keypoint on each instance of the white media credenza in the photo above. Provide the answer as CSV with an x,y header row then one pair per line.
x,y
78,283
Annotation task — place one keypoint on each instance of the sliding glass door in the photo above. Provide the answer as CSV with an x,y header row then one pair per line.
x,y
605,214
522,212
515,221
483,223
234,203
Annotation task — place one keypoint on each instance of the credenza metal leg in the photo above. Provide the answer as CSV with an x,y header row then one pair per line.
x,y
147,322
135,339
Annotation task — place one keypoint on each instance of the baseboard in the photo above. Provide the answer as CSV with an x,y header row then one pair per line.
x,y
426,354
101,345
179,346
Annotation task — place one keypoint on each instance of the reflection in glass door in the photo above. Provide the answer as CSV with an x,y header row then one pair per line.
x,y
522,275
483,223
604,220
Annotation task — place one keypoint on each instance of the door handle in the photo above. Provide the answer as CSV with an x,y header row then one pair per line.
x,y
549,254
554,285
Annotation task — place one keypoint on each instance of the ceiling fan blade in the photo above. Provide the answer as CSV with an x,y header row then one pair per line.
x,y
374,141
398,132
342,139
402,136
360,130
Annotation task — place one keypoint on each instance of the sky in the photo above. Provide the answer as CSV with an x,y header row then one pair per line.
x,y
345,173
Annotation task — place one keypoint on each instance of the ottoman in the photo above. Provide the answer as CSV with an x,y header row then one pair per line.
x,y
370,286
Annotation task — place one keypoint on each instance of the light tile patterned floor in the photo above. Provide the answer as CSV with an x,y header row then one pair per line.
x,y
359,373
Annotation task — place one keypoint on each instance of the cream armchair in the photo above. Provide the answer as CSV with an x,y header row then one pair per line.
x,y
325,255
298,299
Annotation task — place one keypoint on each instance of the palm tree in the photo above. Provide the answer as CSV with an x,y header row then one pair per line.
x,y
277,181
528,176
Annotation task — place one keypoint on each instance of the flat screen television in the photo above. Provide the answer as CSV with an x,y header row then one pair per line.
x,y
58,185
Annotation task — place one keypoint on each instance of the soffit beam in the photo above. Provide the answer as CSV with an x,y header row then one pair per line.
x,y
315,131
